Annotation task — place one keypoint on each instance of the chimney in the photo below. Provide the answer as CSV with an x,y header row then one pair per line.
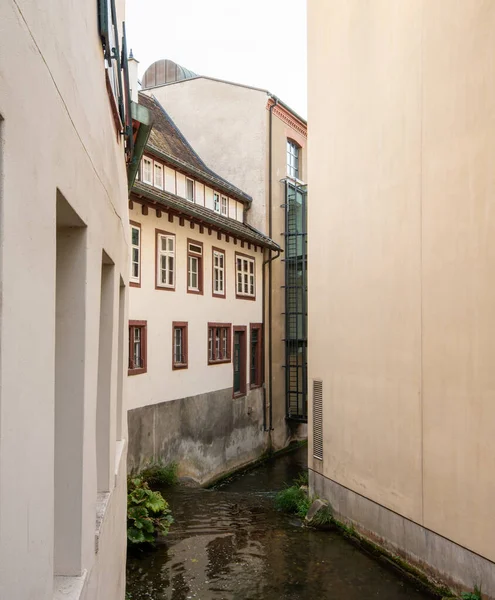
x,y
133,77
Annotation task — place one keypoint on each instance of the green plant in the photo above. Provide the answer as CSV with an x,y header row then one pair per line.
x,y
476,595
293,500
160,474
323,518
148,513
302,479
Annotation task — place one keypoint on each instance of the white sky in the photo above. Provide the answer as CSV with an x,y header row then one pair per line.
x,y
256,42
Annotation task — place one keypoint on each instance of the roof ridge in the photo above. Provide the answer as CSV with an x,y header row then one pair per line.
x,y
186,142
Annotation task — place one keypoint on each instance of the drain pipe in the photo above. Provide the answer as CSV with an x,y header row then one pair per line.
x,y
268,261
270,233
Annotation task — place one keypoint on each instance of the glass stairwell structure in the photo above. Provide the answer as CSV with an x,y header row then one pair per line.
x,y
296,314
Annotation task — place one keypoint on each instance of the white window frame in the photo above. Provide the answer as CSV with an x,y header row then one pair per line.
x,y
217,270
159,166
293,162
245,276
193,199
145,161
197,256
168,254
216,202
224,203
133,278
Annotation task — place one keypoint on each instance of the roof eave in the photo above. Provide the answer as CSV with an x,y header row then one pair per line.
x,y
142,192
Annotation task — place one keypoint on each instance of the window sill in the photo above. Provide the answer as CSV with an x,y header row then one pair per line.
x,y
136,284
255,386
223,361
197,292
178,366
244,297
164,288
103,498
218,295
68,588
239,395
137,371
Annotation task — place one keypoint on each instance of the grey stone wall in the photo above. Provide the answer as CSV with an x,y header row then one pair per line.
x,y
207,435
437,556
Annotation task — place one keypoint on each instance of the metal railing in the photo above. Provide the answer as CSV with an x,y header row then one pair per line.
x,y
296,340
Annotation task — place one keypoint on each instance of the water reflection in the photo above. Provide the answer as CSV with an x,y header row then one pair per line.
x,y
230,544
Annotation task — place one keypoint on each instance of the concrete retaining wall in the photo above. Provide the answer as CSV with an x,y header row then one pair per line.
x,y
207,434
438,557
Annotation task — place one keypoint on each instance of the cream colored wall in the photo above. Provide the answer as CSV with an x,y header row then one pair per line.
x,y
160,308
401,313
56,133
231,141
175,183
458,247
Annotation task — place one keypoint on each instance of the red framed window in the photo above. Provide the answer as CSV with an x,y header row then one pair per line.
x,y
219,343
179,345
137,347
194,267
256,355
218,273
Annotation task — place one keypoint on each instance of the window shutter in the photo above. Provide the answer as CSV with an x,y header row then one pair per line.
x,y
318,419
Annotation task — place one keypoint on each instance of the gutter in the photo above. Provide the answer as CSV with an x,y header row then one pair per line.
x,y
270,277
277,100
186,208
269,262
141,115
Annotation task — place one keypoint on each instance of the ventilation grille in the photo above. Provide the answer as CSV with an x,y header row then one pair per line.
x,y
318,419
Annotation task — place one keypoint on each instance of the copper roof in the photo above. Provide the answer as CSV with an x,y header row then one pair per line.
x,y
166,141
203,215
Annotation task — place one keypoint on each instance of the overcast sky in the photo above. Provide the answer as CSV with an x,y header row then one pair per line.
x,y
256,42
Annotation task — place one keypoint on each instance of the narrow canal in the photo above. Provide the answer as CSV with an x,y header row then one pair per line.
x,y
231,544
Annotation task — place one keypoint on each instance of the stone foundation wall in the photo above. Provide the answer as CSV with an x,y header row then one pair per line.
x,y
438,557
207,435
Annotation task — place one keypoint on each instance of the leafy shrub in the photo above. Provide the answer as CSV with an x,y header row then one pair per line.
x,y
476,595
160,474
148,514
323,518
293,500
302,479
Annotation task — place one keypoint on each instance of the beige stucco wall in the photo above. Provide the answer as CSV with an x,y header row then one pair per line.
x,y
161,307
401,316
57,133
226,125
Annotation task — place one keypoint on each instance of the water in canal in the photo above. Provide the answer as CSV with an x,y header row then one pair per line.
x,y
231,544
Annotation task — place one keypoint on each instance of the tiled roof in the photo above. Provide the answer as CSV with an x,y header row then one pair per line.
x,y
167,141
204,215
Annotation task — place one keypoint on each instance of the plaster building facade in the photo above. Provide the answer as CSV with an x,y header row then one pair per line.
x,y
254,140
64,235
401,297
195,384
